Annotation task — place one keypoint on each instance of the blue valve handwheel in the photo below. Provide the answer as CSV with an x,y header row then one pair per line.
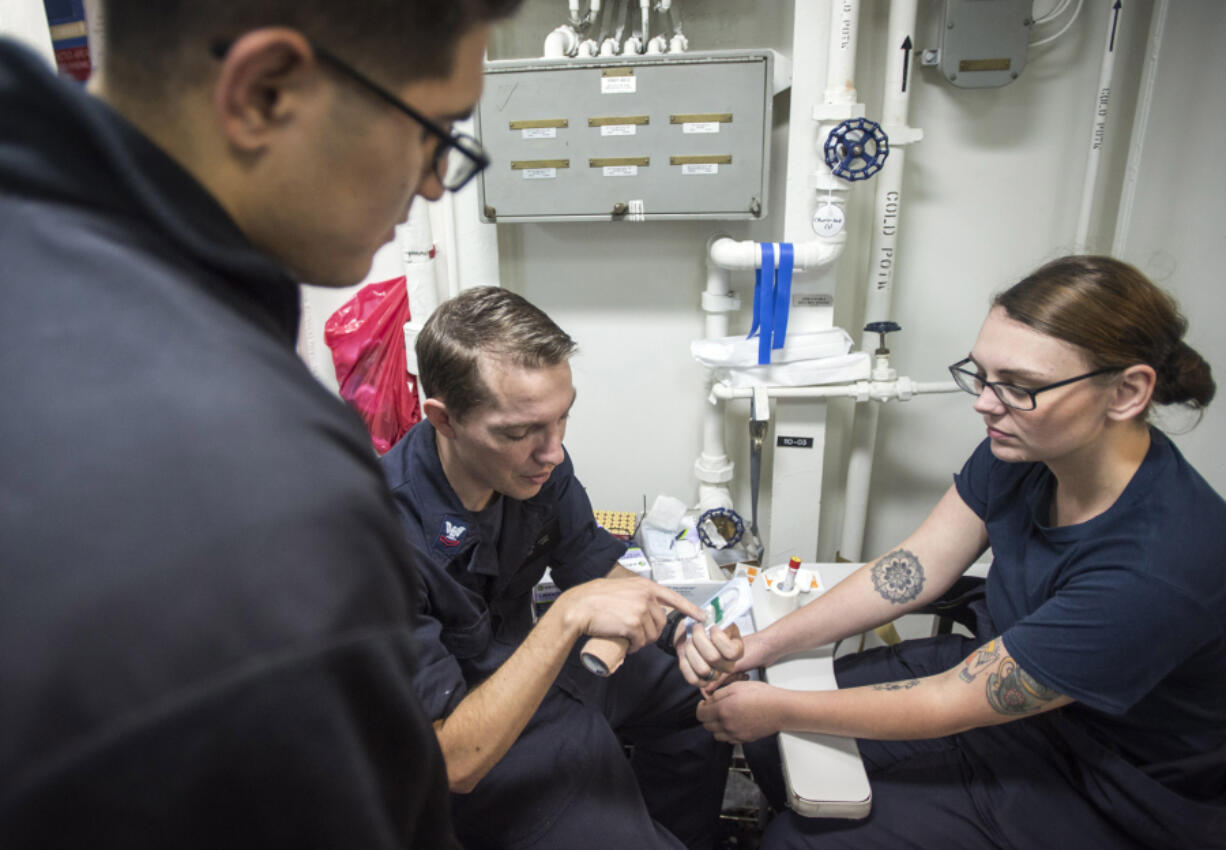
x,y
729,524
856,149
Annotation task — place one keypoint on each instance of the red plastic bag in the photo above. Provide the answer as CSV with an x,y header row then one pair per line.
x,y
366,336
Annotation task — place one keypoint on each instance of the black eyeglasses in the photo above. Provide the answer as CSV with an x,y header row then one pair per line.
x,y
453,172
1011,395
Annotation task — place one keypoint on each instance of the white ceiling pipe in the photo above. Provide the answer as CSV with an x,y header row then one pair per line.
x,y
1098,130
878,302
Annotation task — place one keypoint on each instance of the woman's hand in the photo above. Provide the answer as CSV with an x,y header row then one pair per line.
x,y
742,711
705,657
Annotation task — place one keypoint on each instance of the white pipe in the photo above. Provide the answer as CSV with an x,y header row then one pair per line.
x,y
896,98
714,469
562,42
729,253
1098,132
1140,123
417,251
901,388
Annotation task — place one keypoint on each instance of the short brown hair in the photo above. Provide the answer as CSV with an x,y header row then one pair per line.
x,y
153,48
484,320
1118,317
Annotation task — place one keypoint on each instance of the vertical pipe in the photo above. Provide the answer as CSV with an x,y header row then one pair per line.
x,y
714,469
1098,132
1149,77
882,262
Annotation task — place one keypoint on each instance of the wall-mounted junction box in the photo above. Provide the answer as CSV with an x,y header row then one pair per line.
x,y
676,136
984,42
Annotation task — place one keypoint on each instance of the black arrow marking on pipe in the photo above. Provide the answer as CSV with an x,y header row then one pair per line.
x,y
1114,23
906,58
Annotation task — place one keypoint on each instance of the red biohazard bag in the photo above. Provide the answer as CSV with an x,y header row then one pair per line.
x,y
366,336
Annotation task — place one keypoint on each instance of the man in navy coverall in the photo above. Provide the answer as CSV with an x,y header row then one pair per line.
x,y
488,499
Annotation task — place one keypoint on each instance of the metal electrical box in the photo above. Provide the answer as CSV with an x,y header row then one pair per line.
x,y
984,42
680,136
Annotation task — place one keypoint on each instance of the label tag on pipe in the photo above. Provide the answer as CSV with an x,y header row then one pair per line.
x,y
828,220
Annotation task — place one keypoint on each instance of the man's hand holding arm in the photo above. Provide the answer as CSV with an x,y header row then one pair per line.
x,y
478,733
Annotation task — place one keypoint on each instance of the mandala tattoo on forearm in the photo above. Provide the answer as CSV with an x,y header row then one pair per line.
x,y
898,576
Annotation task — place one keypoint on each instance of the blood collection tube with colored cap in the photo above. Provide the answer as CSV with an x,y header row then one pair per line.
x,y
789,578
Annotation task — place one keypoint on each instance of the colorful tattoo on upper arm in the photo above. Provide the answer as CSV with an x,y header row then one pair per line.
x,y
898,576
1010,689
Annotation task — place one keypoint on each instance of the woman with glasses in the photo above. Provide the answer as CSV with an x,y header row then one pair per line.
x,y
1090,708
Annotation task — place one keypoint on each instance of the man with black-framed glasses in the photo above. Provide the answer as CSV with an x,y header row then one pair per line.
x,y
207,597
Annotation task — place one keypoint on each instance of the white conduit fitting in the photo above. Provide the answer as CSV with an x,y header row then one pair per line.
x,y
562,42
878,302
1098,131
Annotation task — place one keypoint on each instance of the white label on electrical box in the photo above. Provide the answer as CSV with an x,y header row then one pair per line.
x,y
540,173
820,299
621,171
700,168
540,132
828,220
700,127
618,85
618,130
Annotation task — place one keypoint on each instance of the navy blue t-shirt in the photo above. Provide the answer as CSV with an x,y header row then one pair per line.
x,y
1125,613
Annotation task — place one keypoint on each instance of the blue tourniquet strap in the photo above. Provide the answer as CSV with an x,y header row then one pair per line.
x,y
783,295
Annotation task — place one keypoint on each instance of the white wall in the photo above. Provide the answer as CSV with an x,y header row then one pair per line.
x,y
991,192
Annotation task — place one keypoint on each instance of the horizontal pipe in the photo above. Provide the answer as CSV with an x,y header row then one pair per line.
x,y
900,388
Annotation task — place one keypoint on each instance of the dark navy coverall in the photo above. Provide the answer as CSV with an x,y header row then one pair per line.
x,y
566,782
